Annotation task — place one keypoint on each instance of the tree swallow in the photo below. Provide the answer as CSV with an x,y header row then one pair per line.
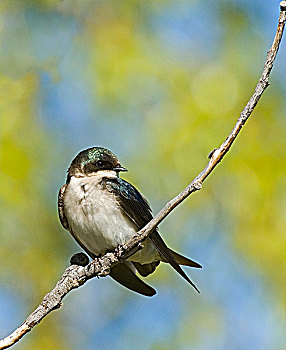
x,y
103,211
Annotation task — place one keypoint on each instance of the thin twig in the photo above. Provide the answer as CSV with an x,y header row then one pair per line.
x,y
75,276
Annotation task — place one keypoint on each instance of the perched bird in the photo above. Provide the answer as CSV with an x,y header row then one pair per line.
x,y
102,211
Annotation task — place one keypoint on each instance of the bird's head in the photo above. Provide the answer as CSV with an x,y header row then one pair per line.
x,y
92,160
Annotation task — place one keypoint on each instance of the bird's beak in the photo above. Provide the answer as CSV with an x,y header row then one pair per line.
x,y
119,168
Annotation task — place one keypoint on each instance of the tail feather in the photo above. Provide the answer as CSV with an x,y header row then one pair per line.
x,y
183,260
123,273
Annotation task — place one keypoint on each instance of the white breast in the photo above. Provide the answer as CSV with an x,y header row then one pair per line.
x,y
94,216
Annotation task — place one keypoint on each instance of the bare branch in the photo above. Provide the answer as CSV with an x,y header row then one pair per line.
x,y
74,276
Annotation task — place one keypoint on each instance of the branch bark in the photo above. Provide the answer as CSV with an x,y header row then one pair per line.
x,y
75,276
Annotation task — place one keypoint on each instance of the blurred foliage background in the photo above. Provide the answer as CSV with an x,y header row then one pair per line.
x,y
161,84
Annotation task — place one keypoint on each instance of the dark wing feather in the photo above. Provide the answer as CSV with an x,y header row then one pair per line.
x,y
138,210
132,202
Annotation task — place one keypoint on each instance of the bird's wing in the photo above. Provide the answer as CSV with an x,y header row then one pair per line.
x,y
138,210
158,242
134,205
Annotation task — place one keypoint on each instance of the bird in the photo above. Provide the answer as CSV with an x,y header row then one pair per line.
x,y
103,211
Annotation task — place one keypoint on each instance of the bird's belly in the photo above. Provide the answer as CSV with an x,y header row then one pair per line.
x,y
100,225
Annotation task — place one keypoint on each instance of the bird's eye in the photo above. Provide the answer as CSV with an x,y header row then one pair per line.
x,y
99,163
